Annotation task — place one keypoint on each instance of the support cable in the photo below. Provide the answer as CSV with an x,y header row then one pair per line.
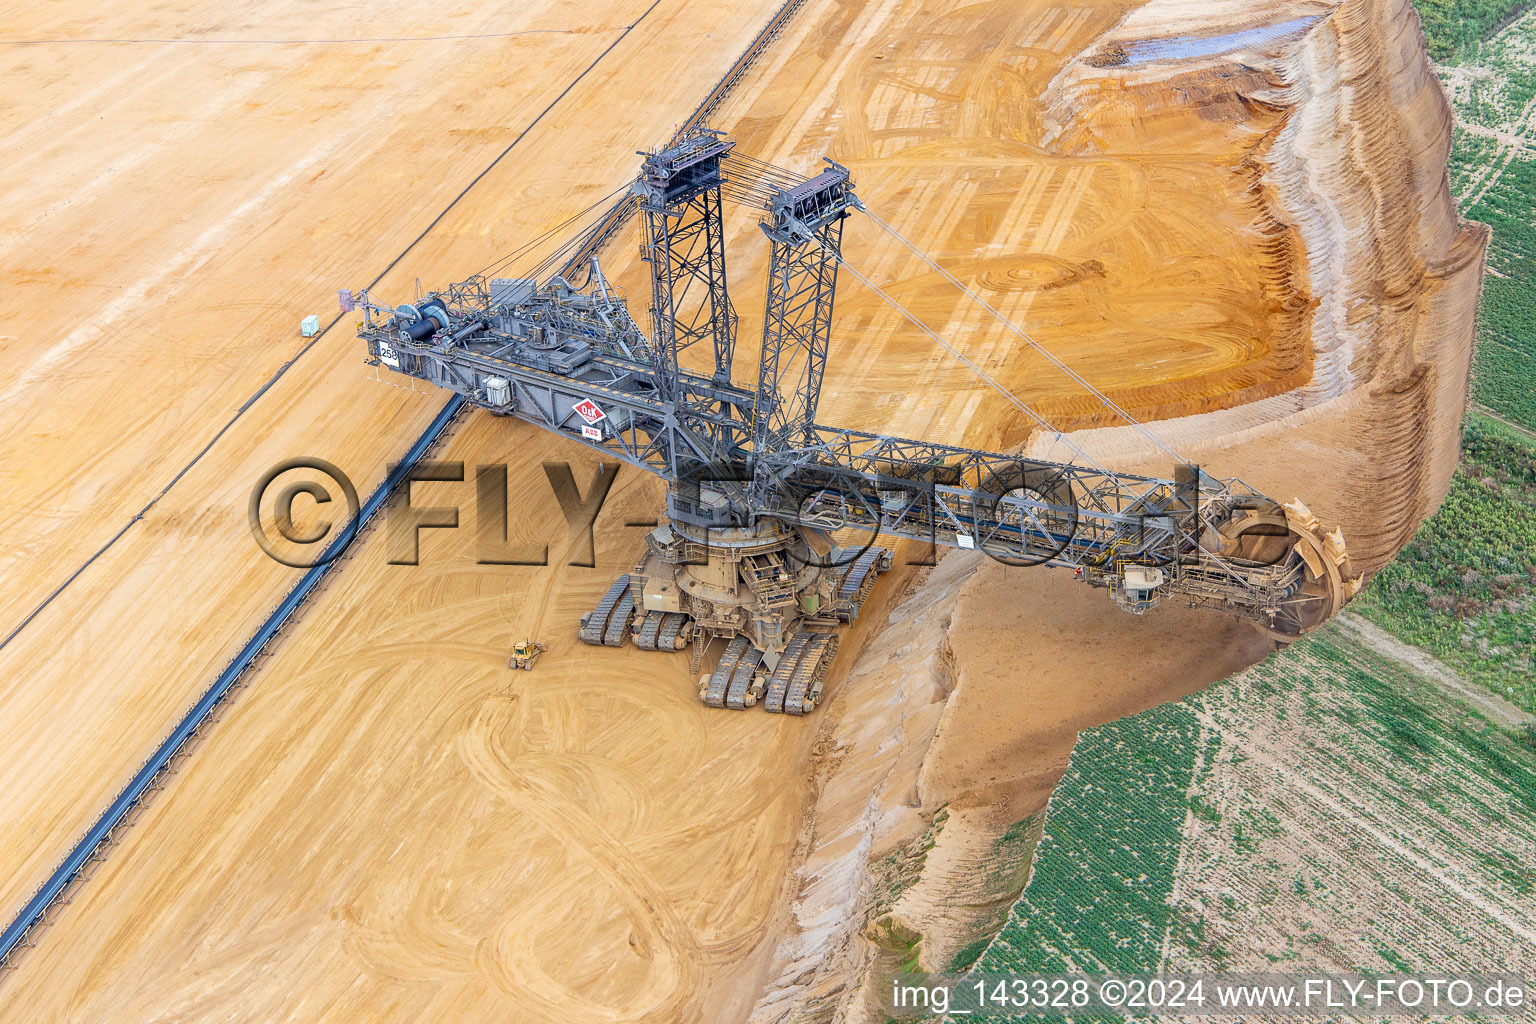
x,y
523,249
1076,377
986,377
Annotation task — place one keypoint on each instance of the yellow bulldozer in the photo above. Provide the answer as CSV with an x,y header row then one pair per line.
x,y
527,652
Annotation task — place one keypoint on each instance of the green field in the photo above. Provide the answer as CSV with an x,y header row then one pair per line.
x,y
1462,590
1111,841
1455,27
1493,175
1326,809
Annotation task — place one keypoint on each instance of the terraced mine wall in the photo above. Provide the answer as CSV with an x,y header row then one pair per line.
x,y
1349,170
927,809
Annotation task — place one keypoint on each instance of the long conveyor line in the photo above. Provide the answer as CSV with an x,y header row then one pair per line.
x,y
622,210
96,839
99,835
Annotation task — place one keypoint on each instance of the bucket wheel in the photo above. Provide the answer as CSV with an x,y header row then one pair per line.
x,y
1290,536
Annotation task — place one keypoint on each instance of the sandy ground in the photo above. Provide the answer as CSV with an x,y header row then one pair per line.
x,y
950,731
1144,269
383,827
343,155
433,837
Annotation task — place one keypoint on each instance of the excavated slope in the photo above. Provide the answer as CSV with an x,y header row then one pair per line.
x,y
1356,172
961,714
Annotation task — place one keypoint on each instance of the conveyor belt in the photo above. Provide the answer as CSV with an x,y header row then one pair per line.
x,y
858,572
624,209
33,914
99,835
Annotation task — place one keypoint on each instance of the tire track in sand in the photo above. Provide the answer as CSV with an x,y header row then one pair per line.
x,y
673,976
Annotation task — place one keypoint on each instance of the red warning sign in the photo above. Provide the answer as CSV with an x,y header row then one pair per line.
x,y
588,410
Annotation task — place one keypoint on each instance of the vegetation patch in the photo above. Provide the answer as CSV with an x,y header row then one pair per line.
x,y
1382,827
897,872
1463,588
1493,176
1098,896
1327,809
1452,27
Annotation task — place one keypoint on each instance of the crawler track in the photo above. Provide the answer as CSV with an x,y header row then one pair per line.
x,y
618,622
778,683
649,631
595,626
745,690
720,679
804,691
673,637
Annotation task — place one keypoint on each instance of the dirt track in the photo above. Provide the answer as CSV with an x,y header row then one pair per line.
x,y
382,827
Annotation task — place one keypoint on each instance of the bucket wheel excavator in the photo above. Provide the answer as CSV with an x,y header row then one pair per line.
x,y
770,538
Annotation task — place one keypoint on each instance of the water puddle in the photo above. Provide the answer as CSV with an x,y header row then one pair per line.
x,y
1184,47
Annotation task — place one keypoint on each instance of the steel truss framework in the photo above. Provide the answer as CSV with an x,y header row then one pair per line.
x,y
802,280
733,455
679,191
